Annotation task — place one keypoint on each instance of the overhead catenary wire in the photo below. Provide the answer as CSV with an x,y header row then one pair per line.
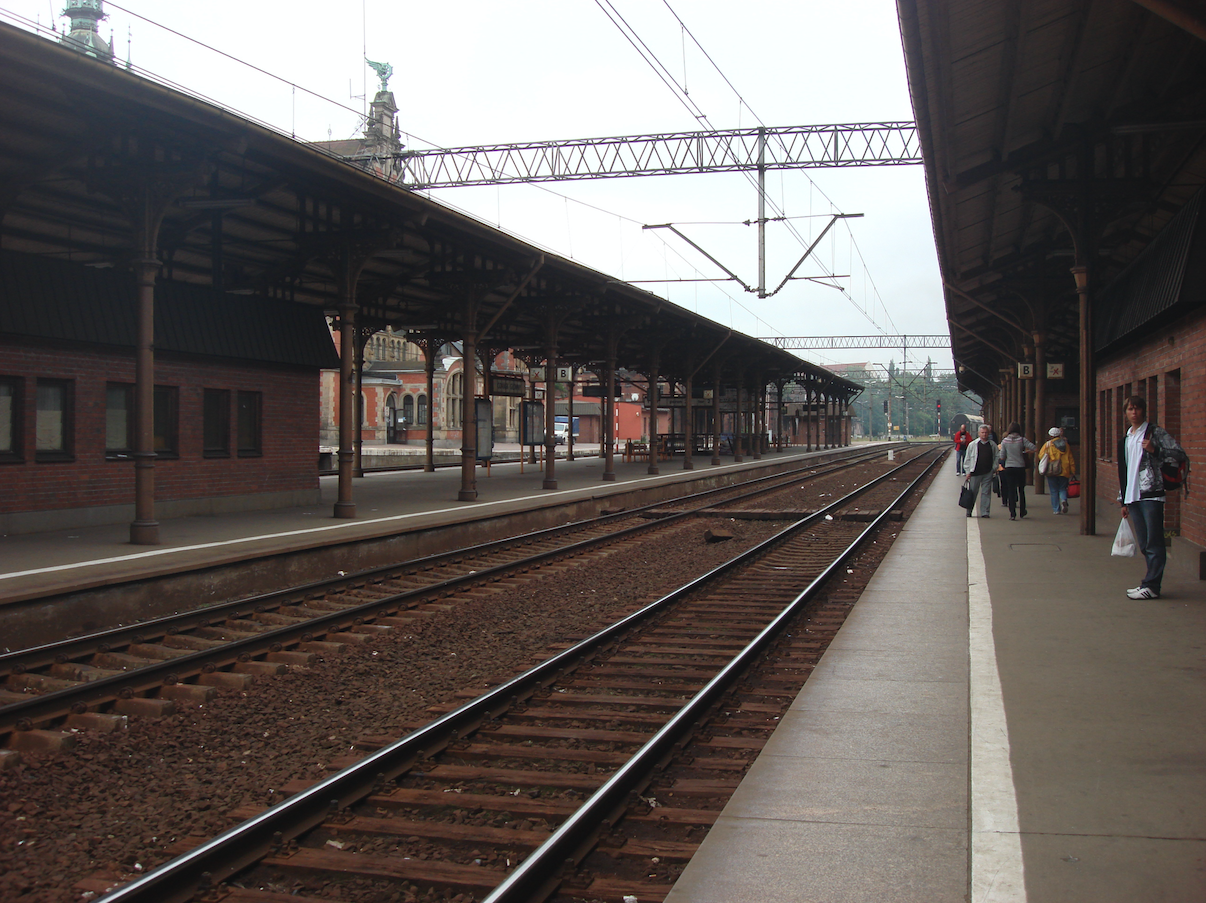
x,y
742,102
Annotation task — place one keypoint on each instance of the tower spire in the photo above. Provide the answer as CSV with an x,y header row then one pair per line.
x,y
84,35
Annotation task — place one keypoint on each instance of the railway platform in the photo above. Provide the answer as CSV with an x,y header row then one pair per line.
x,y
79,580
996,722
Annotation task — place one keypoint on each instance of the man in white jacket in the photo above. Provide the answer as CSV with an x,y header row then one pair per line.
x,y
1142,452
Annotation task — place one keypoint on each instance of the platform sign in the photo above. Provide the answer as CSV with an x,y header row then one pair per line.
x,y
1025,370
484,411
531,423
508,386
1055,371
595,390
561,374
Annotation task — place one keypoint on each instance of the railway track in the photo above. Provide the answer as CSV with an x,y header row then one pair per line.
x,y
592,776
150,669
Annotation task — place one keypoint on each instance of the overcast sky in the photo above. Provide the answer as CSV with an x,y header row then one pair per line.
x,y
470,72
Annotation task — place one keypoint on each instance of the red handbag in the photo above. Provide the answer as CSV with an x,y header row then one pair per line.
x,y
1074,488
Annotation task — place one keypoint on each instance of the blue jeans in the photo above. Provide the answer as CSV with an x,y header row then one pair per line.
x,y
1147,523
1057,488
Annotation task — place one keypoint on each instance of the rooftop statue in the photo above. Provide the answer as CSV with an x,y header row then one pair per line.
x,y
384,71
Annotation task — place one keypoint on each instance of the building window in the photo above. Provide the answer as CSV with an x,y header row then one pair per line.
x,y
421,410
119,419
216,423
121,423
455,399
408,410
167,421
10,418
250,432
54,421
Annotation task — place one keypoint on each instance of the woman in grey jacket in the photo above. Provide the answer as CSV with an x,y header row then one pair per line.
x,y
1014,448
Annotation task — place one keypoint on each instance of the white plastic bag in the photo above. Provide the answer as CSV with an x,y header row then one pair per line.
x,y
1124,540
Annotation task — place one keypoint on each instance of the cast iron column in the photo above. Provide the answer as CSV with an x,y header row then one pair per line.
x,y
653,402
738,437
716,425
468,491
1088,413
689,440
550,410
145,529
609,409
345,507
431,348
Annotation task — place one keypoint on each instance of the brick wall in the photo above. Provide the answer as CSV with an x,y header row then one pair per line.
x,y
289,420
1169,370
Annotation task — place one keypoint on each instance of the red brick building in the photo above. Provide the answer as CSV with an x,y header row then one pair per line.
x,y
1151,338
236,398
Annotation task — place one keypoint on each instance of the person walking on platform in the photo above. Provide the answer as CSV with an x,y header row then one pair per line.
x,y
979,461
1014,448
962,439
1141,453
1060,468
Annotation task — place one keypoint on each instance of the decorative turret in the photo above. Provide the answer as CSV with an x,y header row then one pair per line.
x,y
83,36
381,129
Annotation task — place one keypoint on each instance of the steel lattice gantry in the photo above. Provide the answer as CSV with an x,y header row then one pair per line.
x,y
829,342
733,150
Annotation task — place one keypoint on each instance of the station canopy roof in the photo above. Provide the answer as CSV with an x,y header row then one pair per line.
x,y
253,212
1040,121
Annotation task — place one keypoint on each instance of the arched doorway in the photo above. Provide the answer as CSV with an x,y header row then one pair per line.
x,y
391,420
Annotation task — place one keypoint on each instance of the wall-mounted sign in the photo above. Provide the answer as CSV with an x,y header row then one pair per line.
x,y
1025,370
1055,371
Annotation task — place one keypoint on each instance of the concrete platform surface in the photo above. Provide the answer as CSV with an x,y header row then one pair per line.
x,y
995,722
386,502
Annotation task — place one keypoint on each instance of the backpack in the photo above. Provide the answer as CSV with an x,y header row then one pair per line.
x,y
1175,474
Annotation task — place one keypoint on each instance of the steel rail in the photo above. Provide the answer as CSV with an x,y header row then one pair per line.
x,y
48,706
537,875
49,652
178,880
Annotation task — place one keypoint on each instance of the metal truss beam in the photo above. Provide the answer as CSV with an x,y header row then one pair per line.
x,y
734,150
829,342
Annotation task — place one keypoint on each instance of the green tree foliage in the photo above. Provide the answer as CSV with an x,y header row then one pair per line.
x,y
914,397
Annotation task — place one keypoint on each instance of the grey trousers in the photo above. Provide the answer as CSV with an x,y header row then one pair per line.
x,y
982,485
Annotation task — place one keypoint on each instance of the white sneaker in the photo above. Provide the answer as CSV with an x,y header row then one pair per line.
x,y
1142,592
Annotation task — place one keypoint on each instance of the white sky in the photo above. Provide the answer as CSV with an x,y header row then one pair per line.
x,y
470,72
